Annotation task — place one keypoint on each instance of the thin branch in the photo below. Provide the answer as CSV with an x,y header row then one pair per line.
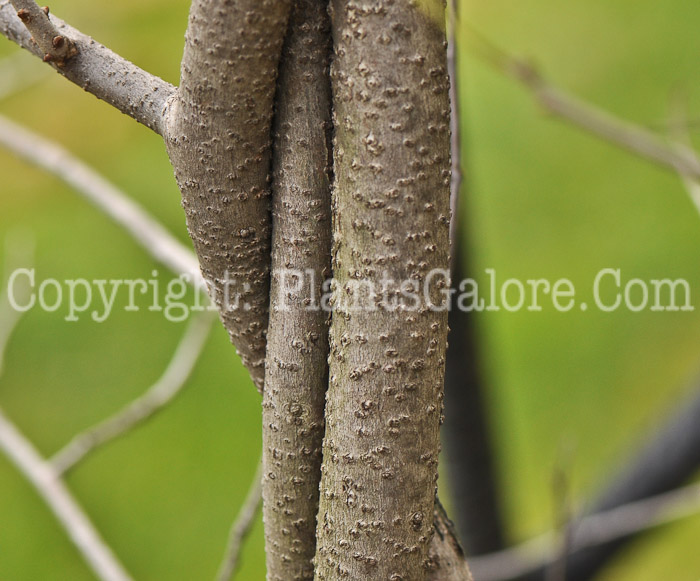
x,y
241,527
679,131
57,48
52,490
9,319
627,135
96,69
17,72
455,136
155,399
144,229
18,252
466,433
590,531
692,185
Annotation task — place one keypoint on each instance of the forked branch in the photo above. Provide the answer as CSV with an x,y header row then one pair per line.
x,y
52,490
95,68
627,135
241,527
143,228
589,531
142,408
56,47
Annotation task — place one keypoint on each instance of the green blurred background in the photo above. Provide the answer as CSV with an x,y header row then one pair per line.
x,y
543,200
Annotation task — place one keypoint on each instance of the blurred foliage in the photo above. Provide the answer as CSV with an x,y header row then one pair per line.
x,y
544,200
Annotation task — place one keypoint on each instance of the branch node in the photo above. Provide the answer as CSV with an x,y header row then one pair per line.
x,y
57,49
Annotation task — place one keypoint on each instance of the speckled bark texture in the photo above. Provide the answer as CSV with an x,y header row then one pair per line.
x,y
98,70
446,557
218,134
296,375
391,222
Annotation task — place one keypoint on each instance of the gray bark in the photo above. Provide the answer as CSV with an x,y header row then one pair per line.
x,y
391,215
56,47
446,557
391,220
99,71
218,133
296,374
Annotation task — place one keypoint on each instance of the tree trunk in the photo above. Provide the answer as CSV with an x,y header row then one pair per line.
x,y
218,133
296,374
386,355
391,227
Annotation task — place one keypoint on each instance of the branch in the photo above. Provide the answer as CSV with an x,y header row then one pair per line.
x,y
155,399
218,140
455,129
52,490
17,251
627,135
144,229
679,131
669,458
391,214
95,68
447,562
18,72
468,448
589,531
57,48
242,527
296,370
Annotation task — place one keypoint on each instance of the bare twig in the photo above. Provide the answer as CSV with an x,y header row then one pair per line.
x,y
95,68
19,250
57,48
158,396
589,531
679,131
455,139
468,454
52,490
9,319
242,527
17,72
556,569
627,135
692,186
144,229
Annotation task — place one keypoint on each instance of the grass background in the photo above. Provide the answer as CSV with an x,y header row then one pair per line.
x,y
542,200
